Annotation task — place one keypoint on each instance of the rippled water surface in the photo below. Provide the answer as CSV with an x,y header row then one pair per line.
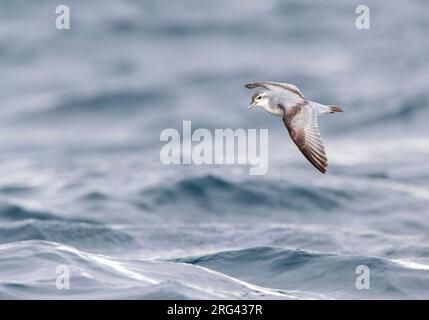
x,y
82,185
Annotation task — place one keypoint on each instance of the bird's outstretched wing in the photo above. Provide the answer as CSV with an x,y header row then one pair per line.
x,y
301,122
276,85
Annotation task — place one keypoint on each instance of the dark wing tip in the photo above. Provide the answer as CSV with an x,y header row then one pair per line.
x,y
250,85
336,109
323,168
319,163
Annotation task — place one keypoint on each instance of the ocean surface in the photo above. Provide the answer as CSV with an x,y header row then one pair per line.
x,y
82,186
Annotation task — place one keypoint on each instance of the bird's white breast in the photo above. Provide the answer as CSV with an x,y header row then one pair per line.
x,y
274,109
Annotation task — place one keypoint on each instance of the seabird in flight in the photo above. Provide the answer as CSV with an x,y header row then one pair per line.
x,y
299,116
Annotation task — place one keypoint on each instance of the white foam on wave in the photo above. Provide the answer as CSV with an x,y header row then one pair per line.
x,y
412,264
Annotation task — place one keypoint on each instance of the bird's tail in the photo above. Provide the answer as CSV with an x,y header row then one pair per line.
x,y
335,109
323,109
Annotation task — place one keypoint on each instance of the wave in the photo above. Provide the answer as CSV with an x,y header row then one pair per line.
x,y
177,29
84,235
115,102
19,223
15,212
94,276
393,111
211,193
323,273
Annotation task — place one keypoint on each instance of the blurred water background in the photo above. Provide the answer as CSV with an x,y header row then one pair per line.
x,y
82,185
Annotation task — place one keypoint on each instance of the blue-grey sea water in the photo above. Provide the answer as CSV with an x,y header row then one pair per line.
x,y
82,185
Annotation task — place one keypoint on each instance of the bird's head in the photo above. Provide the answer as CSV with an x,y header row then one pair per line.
x,y
259,99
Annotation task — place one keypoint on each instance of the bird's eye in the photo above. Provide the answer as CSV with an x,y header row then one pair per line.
x,y
258,97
